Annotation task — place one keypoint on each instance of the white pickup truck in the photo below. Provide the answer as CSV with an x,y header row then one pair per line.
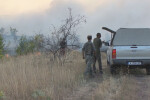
x,y
129,47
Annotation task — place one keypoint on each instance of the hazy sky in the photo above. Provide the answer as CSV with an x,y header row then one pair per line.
x,y
33,16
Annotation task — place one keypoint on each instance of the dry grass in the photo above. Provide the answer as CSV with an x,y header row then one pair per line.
x,y
123,88
119,87
35,77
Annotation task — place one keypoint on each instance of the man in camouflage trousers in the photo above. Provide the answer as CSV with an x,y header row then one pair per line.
x,y
88,52
97,43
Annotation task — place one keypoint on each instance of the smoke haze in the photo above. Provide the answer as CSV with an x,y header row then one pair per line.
x,y
110,13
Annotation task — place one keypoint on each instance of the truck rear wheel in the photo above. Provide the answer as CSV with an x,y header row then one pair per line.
x,y
148,71
113,70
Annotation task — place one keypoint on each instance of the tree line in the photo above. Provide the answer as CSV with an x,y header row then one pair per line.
x,y
66,33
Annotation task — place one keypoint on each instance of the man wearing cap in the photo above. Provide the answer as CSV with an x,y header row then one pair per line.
x,y
97,43
88,52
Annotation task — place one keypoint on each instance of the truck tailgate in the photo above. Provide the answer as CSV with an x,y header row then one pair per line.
x,y
132,52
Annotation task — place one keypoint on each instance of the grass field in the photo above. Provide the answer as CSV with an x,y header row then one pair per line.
x,y
34,77
37,77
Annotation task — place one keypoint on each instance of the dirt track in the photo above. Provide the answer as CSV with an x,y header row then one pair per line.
x,y
144,87
87,91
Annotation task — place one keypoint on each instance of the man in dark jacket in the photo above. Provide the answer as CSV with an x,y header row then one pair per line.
x,y
97,43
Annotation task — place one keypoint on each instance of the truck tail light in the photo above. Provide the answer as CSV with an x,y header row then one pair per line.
x,y
114,54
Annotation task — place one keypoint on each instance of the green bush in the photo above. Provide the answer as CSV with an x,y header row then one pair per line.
x,y
25,46
2,95
38,41
2,51
29,45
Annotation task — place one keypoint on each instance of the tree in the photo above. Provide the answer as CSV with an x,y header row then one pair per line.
x,y
2,30
25,46
13,32
29,45
38,41
67,32
1,46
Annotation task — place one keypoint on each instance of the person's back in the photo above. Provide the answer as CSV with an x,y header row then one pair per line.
x,y
88,52
88,48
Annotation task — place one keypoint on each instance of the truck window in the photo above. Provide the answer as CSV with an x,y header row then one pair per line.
x,y
129,37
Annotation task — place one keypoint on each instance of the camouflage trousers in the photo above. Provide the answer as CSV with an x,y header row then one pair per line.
x,y
97,58
89,62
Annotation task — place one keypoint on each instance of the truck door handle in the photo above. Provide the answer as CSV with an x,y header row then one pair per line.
x,y
133,47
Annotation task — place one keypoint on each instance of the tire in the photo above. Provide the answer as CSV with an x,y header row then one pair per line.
x,y
113,70
148,71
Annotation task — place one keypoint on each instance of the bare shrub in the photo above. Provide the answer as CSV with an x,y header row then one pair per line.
x,y
66,33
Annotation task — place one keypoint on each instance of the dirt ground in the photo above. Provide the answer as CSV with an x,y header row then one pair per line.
x,y
89,88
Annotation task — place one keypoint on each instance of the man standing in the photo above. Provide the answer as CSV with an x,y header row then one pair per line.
x,y
63,46
97,43
88,52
